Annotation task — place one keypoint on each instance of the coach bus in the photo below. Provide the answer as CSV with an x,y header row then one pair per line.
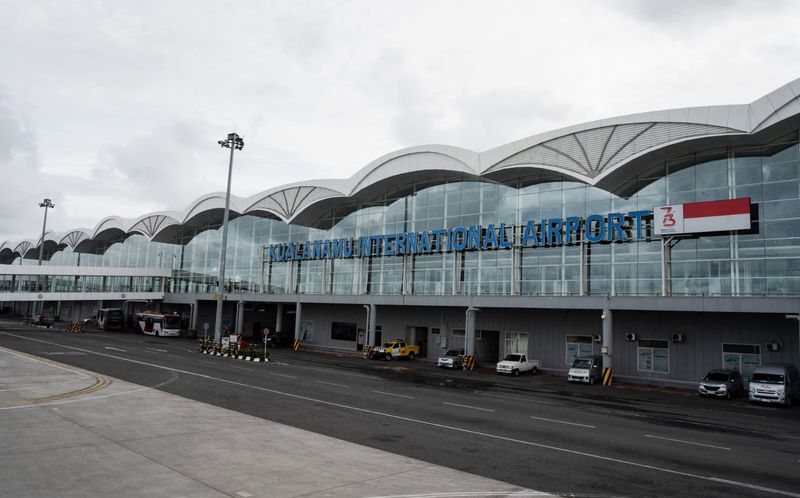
x,y
157,323
110,319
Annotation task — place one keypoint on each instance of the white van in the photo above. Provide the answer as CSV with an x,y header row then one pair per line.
x,y
775,383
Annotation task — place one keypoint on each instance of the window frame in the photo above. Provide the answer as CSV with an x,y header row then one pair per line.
x,y
652,350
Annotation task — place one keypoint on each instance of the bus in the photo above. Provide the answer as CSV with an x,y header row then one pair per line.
x,y
158,324
110,319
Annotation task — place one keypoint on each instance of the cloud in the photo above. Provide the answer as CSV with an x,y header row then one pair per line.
x,y
22,178
116,109
165,169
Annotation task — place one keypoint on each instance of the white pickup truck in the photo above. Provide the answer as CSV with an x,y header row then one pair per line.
x,y
515,364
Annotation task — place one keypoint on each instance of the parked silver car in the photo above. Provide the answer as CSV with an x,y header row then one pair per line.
x,y
586,369
451,359
722,383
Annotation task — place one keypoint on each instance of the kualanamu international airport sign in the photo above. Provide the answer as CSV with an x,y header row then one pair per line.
x,y
696,217
547,232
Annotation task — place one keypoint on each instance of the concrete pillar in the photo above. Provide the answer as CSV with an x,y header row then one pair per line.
x,y
239,316
373,316
469,332
297,318
58,310
193,314
279,318
608,337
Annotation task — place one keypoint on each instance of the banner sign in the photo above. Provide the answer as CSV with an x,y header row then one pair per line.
x,y
702,217
548,232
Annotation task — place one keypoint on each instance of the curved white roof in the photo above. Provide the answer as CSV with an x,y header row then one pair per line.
x,y
603,153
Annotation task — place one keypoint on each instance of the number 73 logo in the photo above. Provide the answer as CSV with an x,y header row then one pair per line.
x,y
668,217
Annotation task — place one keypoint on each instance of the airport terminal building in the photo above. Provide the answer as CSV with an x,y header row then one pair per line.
x,y
667,240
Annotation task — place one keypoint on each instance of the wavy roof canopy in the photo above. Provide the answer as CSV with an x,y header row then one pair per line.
x,y
601,153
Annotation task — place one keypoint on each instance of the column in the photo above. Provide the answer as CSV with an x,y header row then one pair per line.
x,y
193,315
373,314
239,316
608,337
279,318
297,318
469,332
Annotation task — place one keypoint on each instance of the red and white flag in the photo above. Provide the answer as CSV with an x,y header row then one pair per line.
x,y
698,217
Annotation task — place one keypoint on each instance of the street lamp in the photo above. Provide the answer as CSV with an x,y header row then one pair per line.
x,y
233,142
46,204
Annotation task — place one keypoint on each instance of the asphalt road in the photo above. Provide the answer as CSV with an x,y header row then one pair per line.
x,y
537,432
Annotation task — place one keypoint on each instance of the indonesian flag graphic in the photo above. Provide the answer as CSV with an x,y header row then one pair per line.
x,y
698,217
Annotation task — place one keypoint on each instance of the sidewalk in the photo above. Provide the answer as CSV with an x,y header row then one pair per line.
x,y
72,433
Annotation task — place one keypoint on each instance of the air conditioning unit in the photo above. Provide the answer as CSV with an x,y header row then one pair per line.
x,y
630,336
597,338
679,337
774,345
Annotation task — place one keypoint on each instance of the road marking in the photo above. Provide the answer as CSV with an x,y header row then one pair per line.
x,y
437,425
332,384
393,394
208,362
480,494
157,350
242,368
100,382
688,442
564,422
527,400
116,349
716,426
282,375
470,407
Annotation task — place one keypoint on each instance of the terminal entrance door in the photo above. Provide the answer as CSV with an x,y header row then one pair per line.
x,y
487,345
419,337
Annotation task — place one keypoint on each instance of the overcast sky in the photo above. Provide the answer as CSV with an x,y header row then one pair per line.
x,y
116,107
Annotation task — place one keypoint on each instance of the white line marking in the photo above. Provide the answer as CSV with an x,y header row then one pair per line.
x,y
393,394
157,350
116,349
705,424
470,407
281,375
15,353
517,398
242,368
428,423
332,384
688,442
484,494
208,362
564,422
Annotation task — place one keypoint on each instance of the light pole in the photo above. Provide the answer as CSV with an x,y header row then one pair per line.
x,y
233,142
47,203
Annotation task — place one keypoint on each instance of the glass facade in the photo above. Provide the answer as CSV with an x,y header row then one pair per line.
x,y
762,262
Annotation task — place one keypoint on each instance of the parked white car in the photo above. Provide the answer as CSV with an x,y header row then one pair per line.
x,y
516,364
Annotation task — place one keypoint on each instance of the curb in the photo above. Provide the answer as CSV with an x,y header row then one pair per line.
x,y
238,357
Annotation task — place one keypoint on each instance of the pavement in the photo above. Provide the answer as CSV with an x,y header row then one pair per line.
x,y
69,432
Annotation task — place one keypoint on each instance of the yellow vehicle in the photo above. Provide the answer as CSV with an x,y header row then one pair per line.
x,y
396,349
